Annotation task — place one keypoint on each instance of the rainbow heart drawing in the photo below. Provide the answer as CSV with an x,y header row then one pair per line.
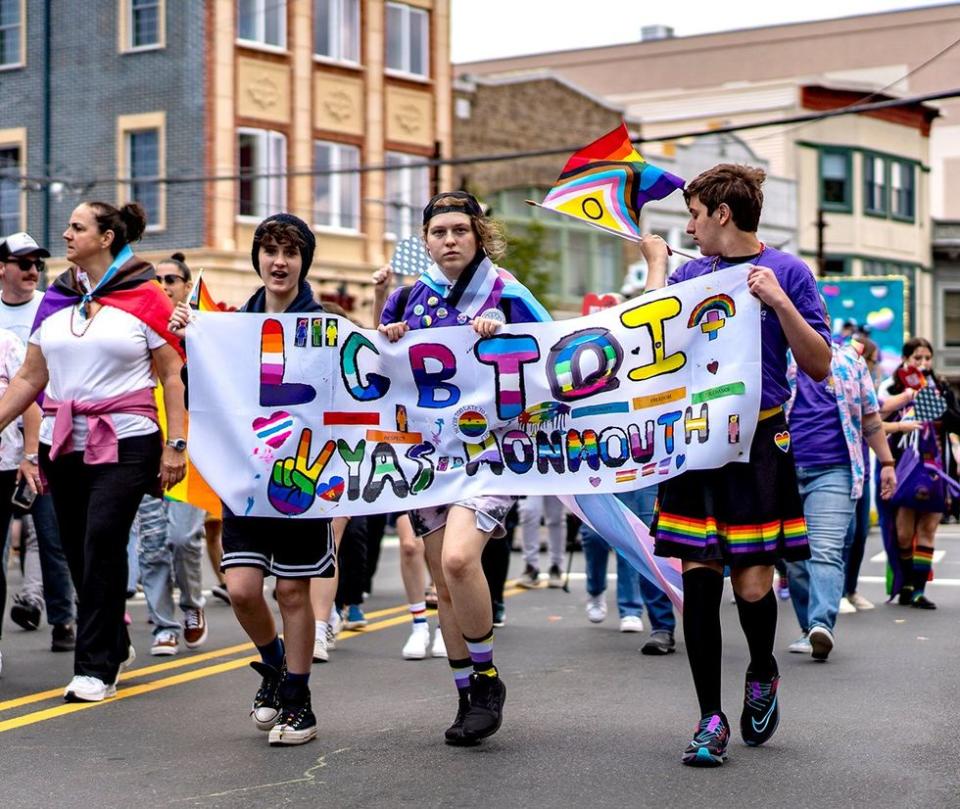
x,y
332,490
782,440
274,429
881,319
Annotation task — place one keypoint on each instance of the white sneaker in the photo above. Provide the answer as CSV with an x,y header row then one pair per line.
x,y
320,653
165,643
596,609
439,647
846,607
88,689
801,646
821,642
859,602
131,658
631,623
416,646
331,639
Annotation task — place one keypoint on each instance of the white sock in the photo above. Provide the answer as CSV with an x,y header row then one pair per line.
x,y
319,629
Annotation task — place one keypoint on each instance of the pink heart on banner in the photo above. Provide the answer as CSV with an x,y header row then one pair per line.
x,y
274,429
594,482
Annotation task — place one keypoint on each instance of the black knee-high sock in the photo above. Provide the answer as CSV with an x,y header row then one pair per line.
x,y
759,622
702,592
906,566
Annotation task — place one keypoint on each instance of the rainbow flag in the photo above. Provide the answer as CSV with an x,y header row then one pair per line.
x,y
607,183
200,297
193,489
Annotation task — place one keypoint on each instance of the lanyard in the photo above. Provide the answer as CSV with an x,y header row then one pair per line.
x,y
716,259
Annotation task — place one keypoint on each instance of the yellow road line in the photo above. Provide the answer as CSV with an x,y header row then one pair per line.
x,y
177,679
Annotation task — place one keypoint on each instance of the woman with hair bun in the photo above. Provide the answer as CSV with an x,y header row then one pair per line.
x,y
99,345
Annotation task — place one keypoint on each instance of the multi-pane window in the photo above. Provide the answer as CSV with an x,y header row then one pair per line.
x,y
144,23
407,192
336,196
835,180
408,39
10,24
263,166
336,29
874,184
951,318
143,165
902,190
263,21
9,190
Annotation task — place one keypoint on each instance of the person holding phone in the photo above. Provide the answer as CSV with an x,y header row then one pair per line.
x,y
98,346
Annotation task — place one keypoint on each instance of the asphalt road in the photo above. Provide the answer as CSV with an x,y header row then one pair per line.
x,y
588,720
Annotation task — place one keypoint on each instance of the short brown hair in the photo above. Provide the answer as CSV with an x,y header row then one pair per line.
x,y
737,186
282,233
489,233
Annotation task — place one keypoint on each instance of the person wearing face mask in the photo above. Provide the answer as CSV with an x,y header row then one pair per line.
x,y
914,528
463,287
294,551
46,575
98,347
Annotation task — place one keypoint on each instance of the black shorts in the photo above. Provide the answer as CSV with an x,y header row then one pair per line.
x,y
281,547
741,514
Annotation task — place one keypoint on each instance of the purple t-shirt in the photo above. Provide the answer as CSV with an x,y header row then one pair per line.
x,y
798,282
816,433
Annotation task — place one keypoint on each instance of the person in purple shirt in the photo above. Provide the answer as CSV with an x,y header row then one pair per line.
x,y
462,287
743,515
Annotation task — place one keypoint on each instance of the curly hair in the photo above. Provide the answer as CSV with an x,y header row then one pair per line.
x,y
488,231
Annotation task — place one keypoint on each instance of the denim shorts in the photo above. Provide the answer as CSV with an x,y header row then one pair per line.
x,y
490,510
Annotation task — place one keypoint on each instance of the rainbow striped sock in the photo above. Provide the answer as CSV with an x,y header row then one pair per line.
x,y
481,653
462,669
418,612
922,562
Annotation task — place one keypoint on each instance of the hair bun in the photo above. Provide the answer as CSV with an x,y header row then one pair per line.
x,y
178,257
135,219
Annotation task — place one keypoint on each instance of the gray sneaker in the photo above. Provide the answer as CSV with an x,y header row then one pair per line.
x,y
660,642
801,646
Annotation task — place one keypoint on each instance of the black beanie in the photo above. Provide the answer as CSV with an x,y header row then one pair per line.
x,y
306,250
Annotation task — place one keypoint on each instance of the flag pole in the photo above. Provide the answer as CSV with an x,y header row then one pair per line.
x,y
626,236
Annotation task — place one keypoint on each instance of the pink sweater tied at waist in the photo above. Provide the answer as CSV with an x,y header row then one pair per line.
x,y
102,443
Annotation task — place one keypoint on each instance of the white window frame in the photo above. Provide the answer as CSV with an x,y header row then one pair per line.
x,y
158,222
340,221
127,28
408,13
21,25
335,11
903,168
409,208
273,199
260,22
142,122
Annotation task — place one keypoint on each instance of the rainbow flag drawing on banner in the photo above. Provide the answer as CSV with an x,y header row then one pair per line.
x,y
193,489
607,183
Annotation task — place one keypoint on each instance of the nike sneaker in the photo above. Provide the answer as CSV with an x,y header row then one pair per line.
x,y
761,709
708,747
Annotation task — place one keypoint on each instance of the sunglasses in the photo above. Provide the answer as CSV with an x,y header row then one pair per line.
x,y
27,264
170,279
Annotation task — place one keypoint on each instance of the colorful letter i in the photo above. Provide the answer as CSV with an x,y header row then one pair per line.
x,y
273,390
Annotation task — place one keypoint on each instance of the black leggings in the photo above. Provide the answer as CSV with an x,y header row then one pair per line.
x,y
8,482
95,507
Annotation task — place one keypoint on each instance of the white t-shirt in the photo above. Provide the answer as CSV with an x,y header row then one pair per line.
x,y
18,317
11,439
97,359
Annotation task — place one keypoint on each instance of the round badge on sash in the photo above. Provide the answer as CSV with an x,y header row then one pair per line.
x,y
418,309
495,314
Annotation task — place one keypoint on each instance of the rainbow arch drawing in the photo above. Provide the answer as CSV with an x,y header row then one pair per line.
x,y
711,314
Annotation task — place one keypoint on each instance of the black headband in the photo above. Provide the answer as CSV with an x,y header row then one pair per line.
x,y
470,207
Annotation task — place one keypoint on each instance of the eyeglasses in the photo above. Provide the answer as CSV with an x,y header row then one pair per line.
x,y
170,279
26,264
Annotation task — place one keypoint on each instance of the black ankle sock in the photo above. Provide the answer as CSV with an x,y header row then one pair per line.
x,y
295,689
702,592
906,566
759,622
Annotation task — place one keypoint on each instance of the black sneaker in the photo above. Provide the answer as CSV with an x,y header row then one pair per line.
x,y
708,748
266,703
487,695
761,710
454,733
63,638
295,724
921,602
660,642
25,614
906,596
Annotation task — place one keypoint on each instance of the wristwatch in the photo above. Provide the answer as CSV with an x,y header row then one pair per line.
x,y
179,444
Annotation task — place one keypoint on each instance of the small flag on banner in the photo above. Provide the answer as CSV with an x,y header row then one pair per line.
x,y
200,297
607,183
410,257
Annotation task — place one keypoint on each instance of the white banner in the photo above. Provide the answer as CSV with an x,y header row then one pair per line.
x,y
308,415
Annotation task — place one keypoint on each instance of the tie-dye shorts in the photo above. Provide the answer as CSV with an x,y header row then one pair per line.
x,y
490,511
